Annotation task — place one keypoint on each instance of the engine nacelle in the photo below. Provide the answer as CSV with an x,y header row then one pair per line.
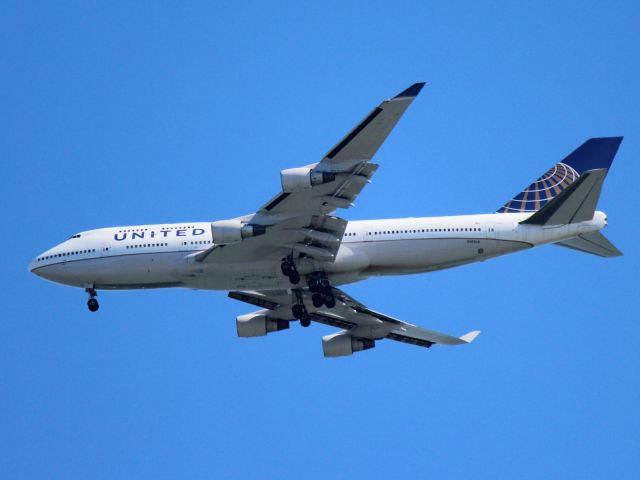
x,y
295,179
258,324
341,344
224,232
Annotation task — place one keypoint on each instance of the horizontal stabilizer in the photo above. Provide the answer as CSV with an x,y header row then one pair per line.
x,y
577,203
594,243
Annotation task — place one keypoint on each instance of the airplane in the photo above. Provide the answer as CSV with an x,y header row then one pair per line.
x,y
290,257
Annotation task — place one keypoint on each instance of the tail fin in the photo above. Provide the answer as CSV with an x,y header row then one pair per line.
x,y
576,203
594,243
594,154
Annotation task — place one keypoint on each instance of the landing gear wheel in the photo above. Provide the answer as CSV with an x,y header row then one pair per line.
x,y
330,300
314,284
317,299
325,284
294,277
287,268
298,311
93,305
301,314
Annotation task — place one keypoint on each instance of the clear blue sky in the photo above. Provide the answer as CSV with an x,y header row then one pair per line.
x,y
148,112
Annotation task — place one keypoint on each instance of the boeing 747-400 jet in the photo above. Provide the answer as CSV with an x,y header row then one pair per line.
x,y
290,257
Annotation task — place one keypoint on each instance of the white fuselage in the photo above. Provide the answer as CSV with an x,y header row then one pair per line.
x,y
154,256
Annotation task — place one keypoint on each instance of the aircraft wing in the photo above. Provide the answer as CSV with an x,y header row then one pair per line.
x,y
348,160
299,218
352,316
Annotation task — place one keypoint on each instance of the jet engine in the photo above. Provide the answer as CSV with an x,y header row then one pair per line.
x,y
258,324
234,231
342,343
295,179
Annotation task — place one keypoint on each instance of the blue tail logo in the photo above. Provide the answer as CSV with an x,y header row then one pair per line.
x,y
595,153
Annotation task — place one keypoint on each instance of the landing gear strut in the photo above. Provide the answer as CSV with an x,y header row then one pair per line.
x,y
299,311
92,303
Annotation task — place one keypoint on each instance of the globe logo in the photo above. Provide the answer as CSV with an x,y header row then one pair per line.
x,y
536,195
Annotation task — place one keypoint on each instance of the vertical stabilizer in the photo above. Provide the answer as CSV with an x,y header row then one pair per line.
x,y
594,154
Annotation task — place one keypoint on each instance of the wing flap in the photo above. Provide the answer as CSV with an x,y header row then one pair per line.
x,y
421,336
410,340
304,233
255,298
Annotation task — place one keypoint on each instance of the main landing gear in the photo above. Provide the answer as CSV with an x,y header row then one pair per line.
x,y
299,311
92,303
320,286
289,270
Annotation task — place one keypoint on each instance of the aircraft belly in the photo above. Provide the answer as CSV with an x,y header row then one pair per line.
x,y
121,271
235,276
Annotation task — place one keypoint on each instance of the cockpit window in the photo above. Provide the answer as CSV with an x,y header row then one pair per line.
x,y
77,235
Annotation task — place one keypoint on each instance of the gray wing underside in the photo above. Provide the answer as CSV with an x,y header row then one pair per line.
x,y
301,222
318,236
349,160
353,316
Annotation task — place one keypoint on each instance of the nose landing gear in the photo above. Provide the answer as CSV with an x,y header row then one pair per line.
x,y
92,303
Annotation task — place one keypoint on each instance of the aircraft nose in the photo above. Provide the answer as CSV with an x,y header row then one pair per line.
x,y
41,265
55,272
32,265
36,267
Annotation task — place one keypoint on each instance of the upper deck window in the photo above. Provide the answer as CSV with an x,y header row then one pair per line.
x,y
77,235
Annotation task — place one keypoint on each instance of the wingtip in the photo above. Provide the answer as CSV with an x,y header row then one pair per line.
x,y
470,337
412,91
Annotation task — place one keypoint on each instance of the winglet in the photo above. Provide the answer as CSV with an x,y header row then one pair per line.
x,y
470,337
412,91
